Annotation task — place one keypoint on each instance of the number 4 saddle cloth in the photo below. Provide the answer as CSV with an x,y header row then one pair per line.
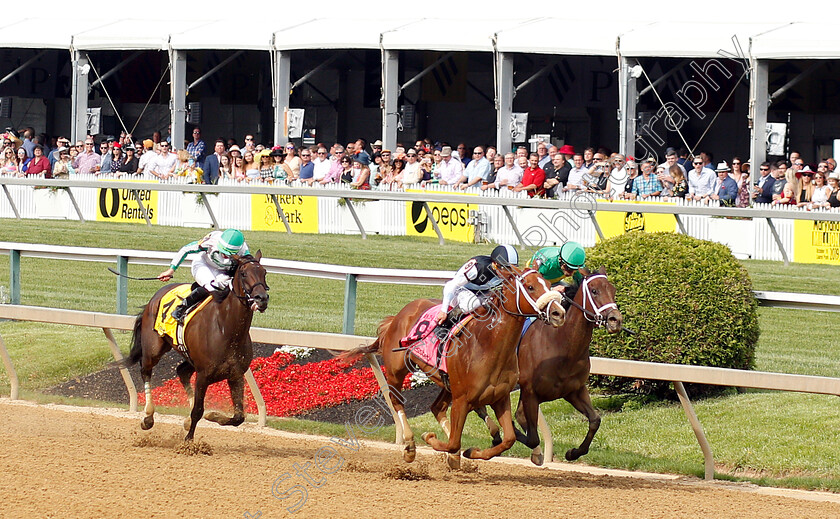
x,y
427,346
166,326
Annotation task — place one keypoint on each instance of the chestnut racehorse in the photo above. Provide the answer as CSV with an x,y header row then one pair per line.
x,y
554,363
216,339
481,362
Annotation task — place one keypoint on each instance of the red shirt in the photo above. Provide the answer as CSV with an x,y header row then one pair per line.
x,y
39,165
536,177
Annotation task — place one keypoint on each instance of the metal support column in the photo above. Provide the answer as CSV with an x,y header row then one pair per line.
x,y
778,241
595,223
11,201
759,102
78,95
680,224
281,89
122,286
349,324
434,222
142,207
75,204
281,214
626,107
349,205
206,203
178,102
14,277
504,103
126,376
698,430
390,96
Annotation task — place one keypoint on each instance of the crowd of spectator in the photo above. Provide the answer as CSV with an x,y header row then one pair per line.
x,y
550,172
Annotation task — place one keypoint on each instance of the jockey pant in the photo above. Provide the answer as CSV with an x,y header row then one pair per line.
x,y
466,300
208,275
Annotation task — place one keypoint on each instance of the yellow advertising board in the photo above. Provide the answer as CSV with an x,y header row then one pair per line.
x,y
614,223
124,204
816,241
300,211
453,220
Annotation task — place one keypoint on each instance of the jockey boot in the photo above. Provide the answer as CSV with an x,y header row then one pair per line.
x,y
196,296
442,330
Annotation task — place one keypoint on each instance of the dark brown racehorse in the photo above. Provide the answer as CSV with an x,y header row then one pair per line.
x,y
217,341
481,362
554,363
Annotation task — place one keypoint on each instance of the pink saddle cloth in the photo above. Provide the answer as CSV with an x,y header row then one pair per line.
x,y
422,342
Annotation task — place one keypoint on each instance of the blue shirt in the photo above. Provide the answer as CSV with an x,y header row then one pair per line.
x,y
646,186
307,171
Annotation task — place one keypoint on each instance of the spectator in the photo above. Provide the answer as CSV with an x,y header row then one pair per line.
x,y
576,173
163,165
617,177
40,164
743,182
87,161
762,191
632,174
114,160
250,145
542,153
708,159
388,174
647,185
130,164
61,142
10,162
436,158
834,188
596,179
736,170
197,149
700,181
664,177
533,178
821,192
462,154
147,158
832,164
779,183
320,164
307,168
346,170
491,153
411,174
28,145
725,189
787,196
361,171
477,171
804,187
556,175
23,161
450,170
225,168
377,146
104,156
292,160
237,168
63,167
588,157
252,169
498,166
426,170
670,160
212,164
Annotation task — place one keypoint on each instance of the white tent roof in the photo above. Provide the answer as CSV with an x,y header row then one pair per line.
x,y
223,34
561,36
38,33
334,33
449,34
808,40
690,40
133,34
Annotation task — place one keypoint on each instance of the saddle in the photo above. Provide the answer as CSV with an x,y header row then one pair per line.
x,y
426,345
166,326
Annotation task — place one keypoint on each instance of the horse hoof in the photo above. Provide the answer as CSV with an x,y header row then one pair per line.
x,y
428,436
213,416
537,458
453,461
573,454
410,453
147,423
469,453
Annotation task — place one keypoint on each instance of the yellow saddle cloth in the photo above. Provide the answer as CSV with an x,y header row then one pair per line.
x,y
165,325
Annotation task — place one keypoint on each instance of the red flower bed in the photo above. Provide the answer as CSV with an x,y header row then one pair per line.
x,y
288,389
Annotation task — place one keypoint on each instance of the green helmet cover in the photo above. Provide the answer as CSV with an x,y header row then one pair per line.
x,y
231,241
573,254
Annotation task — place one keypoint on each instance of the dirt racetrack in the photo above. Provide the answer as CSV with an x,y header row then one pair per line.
x,y
57,461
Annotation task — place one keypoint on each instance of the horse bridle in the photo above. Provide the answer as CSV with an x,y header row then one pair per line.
x,y
597,316
520,290
248,299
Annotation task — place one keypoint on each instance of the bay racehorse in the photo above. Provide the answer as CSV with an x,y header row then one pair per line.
x,y
554,363
482,365
217,341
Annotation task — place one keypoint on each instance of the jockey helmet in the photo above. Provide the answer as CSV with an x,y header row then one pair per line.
x,y
505,255
573,254
230,242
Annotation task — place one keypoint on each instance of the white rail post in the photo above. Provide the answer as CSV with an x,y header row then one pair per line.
x,y
126,376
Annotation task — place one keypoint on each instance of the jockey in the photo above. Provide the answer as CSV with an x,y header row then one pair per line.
x,y
558,263
212,269
460,293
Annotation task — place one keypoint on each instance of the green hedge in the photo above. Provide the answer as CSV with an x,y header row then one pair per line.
x,y
690,301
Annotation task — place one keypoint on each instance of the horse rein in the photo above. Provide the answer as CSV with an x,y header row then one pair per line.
x,y
520,290
597,316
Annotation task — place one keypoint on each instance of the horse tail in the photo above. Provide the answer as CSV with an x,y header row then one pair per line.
x,y
136,352
355,355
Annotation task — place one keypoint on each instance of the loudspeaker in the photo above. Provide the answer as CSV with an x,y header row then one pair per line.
x,y
194,112
5,107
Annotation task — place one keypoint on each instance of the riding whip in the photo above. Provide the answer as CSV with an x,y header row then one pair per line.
x,y
130,277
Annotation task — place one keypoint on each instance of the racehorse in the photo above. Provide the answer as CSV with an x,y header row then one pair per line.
x,y
216,339
554,363
482,368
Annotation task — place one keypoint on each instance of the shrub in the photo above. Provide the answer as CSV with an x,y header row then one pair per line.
x,y
690,301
